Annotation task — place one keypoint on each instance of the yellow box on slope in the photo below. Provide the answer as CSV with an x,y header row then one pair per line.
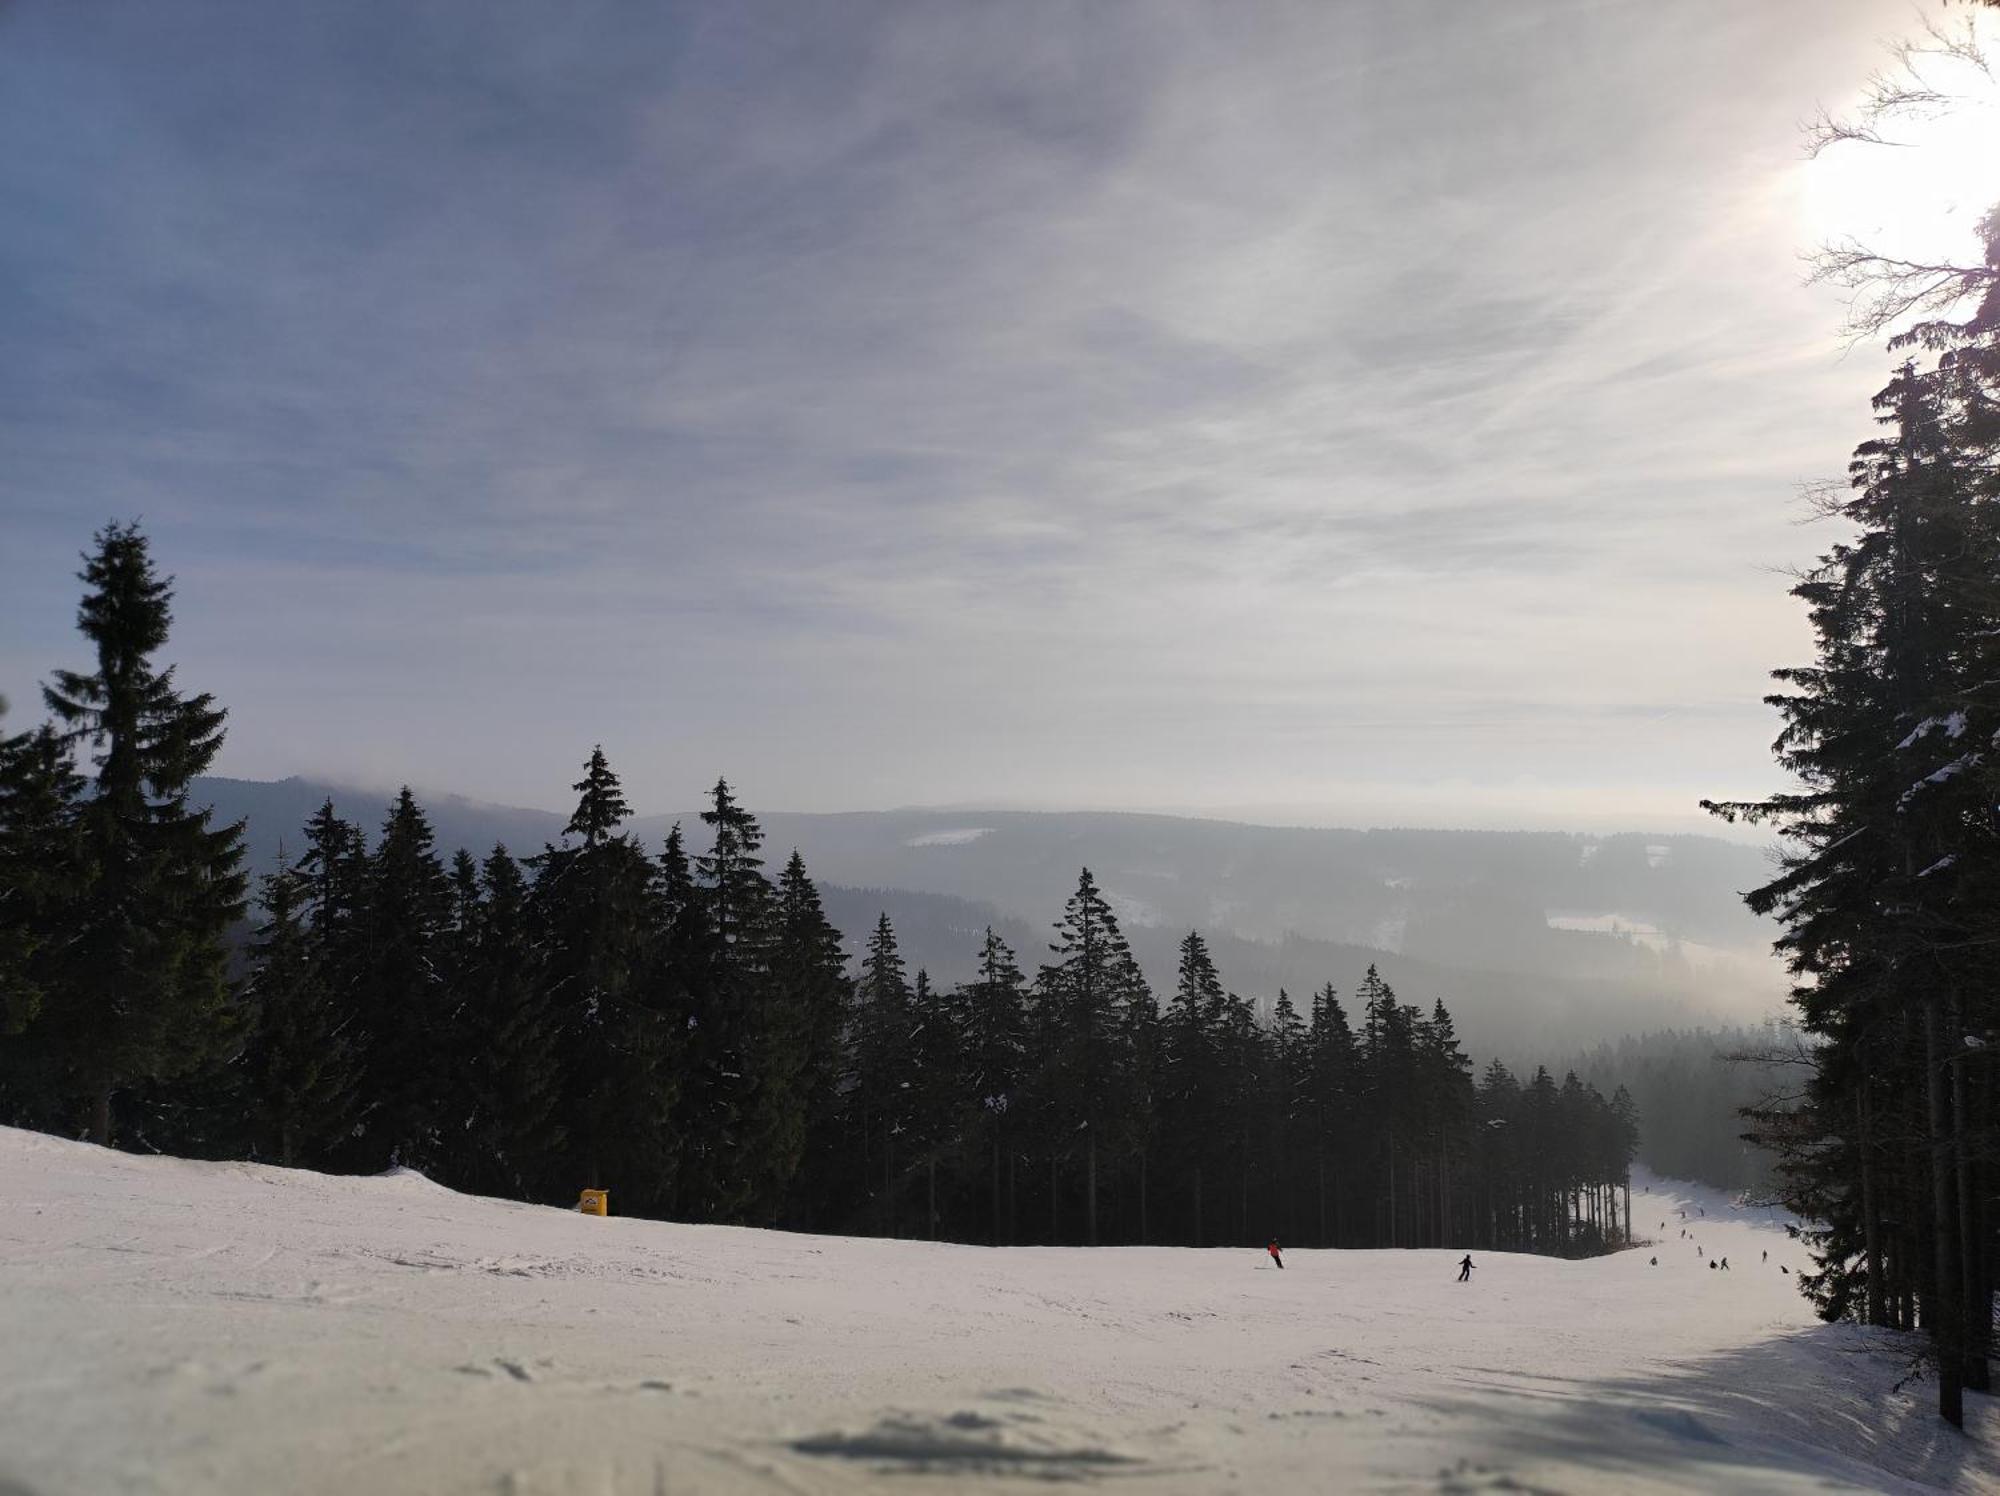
x,y
595,1203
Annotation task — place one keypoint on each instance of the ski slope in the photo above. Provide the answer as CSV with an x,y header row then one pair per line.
x,y
171,1326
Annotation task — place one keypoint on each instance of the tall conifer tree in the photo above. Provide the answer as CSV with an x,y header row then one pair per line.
x,y
144,995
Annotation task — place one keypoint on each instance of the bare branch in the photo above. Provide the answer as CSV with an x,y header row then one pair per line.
x,y
1888,289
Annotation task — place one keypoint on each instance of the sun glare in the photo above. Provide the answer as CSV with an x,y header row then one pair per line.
x,y
1920,194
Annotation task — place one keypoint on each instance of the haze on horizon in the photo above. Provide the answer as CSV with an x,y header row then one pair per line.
x,y
1379,413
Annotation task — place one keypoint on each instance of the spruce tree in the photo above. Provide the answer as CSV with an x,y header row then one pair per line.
x,y
1891,846
936,1065
405,1005
1083,993
41,873
728,1118
620,1041
995,1004
144,994
879,1094
797,1061
514,1130
1190,1083
298,1077
1331,1088
1290,1108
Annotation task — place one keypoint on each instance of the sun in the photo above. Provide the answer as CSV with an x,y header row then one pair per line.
x,y
1920,195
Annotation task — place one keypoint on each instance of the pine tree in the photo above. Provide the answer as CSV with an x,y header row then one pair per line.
x,y
404,1002
797,1063
1190,1080
620,1042
1290,1109
1889,733
996,1041
879,1093
513,1134
1082,993
936,1066
42,872
1331,1080
143,995
720,1180
298,1075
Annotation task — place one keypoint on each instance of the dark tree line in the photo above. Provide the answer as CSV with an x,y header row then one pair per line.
x,y
683,1028
1891,879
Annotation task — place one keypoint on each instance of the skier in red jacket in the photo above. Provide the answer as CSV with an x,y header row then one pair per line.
x,y
1273,1250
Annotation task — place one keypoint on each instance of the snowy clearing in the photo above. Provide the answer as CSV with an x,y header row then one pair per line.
x,y
169,1326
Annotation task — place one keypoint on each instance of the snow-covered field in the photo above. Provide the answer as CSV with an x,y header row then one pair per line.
x,y
193,1327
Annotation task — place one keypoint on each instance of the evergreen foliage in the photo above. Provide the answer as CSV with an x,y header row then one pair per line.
x,y
298,1075
685,1031
141,994
1892,861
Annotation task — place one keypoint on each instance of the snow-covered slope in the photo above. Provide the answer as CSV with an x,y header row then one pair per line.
x,y
168,1326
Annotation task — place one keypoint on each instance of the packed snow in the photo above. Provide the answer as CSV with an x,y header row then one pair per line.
x,y
169,1326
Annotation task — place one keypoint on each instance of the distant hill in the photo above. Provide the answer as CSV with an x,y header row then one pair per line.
x,y
1530,937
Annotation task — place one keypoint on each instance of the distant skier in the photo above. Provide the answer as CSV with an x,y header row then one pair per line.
x,y
1785,1270
1465,1269
1767,1254
1725,1264
1273,1250
1698,1252
1654,1261
1711,1265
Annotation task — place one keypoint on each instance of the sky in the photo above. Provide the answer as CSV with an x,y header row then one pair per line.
x,y
1333,412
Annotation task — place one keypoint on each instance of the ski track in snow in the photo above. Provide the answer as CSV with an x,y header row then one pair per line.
x,y
169,1326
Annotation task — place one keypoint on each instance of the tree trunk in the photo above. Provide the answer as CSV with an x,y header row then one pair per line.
x,y
1392,1192
1974,1301
1055,1232
1142,1199
1013,1203
1090,1188
1945,1330
889,1184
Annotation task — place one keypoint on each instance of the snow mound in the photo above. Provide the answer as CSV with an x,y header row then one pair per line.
x,y
968,1441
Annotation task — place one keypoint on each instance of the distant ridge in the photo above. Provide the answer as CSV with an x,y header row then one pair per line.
x,y
1648,930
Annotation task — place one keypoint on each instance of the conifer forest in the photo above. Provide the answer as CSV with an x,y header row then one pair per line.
x,y
682,1026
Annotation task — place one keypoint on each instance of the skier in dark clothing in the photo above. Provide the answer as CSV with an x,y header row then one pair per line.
x,y
1465,1269
1273,1250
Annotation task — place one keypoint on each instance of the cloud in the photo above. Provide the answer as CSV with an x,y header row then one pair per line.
x,y
1091,403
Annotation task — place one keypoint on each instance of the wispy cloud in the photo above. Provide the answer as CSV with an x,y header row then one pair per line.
x,y
1144,403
